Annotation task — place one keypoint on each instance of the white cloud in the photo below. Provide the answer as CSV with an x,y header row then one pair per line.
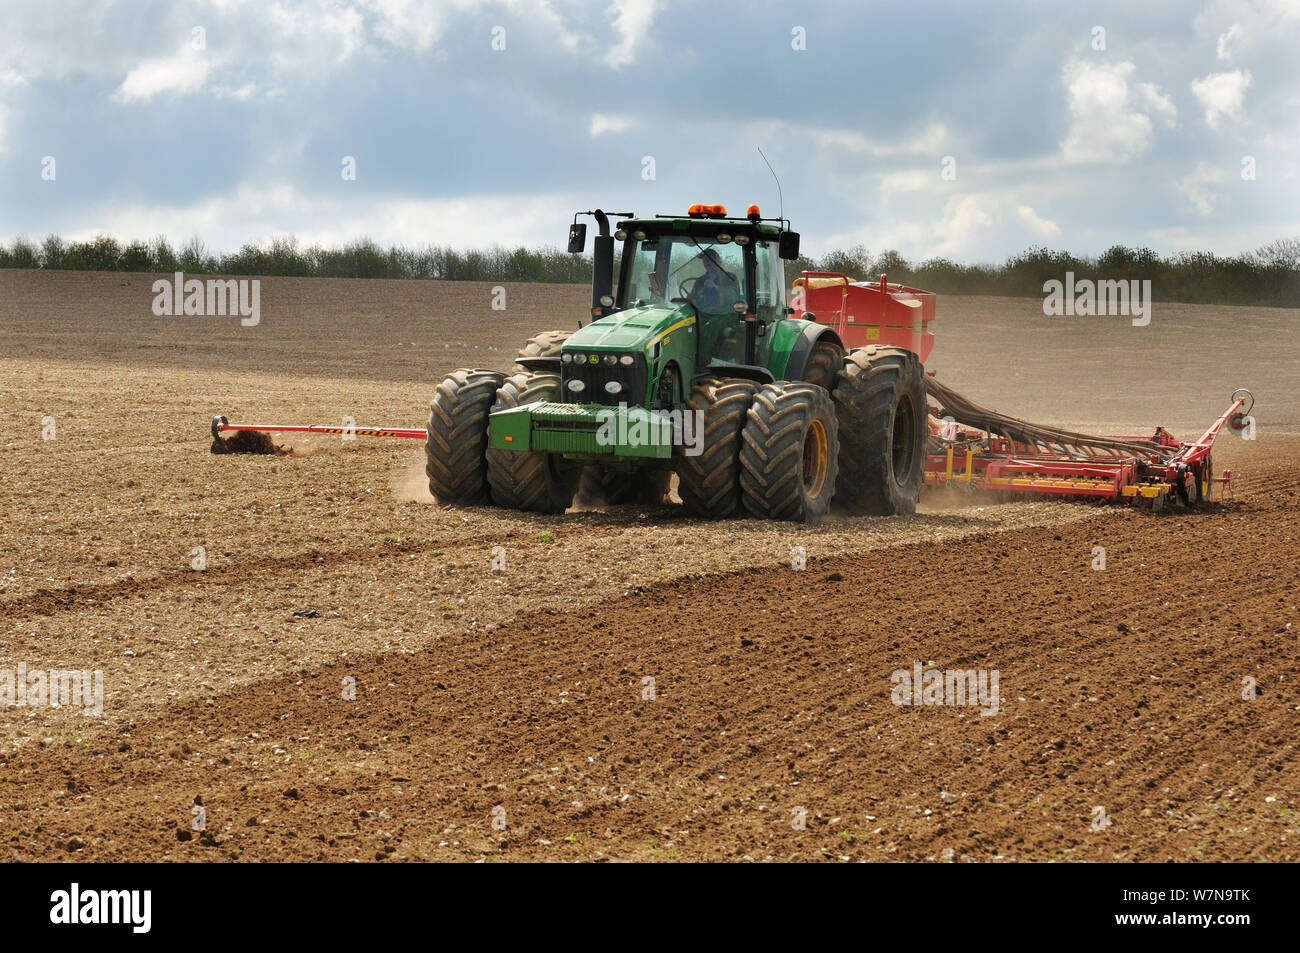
x,y
632,20
253,212
1158,103
1196,187
1258,28
1227,40
307,36
962,221
1222,238
965,227
912,180
405,24
242,94
601,124
180,74
1106,127
542,10
11,79
1222,95
1042,227
930,140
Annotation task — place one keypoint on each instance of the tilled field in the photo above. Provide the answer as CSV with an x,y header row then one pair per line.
x,y
635,684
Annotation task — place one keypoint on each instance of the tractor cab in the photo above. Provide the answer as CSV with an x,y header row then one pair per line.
x,y
726,272
698,295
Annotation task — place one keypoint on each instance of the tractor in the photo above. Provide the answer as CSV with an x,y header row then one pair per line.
x,y
697,364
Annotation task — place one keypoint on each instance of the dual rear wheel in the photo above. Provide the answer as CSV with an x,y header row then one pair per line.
x,y
881,406
790,449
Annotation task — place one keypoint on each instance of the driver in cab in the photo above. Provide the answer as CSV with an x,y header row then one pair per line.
x,y
715,291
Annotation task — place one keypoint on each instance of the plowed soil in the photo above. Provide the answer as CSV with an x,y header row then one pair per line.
x,y
634,684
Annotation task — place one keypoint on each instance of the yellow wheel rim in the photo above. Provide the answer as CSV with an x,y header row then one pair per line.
x,y
815,457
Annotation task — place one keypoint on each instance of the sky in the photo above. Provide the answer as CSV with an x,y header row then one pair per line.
x,y
964,130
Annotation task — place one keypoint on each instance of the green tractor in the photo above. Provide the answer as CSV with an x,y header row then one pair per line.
x,y
696,366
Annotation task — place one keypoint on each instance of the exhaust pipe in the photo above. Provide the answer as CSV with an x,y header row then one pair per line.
x,y
602,274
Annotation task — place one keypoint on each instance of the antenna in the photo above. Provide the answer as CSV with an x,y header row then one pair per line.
x,y
776,180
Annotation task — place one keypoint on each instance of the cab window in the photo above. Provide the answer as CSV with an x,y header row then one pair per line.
x,y
769,280
708,274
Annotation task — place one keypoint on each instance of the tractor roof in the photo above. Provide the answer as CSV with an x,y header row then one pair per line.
x,y
705,219
700,225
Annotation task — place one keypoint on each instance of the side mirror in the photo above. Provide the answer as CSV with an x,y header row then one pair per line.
x,y
788,247
577,238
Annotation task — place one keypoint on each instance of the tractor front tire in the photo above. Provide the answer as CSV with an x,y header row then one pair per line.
x,y
531,480
880,401
546,344
457,442
789,452
709,481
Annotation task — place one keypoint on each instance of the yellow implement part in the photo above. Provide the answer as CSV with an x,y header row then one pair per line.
x,y
1148,490
947,477
1062,484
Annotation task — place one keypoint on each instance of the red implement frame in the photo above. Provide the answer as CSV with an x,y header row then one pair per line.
x,y
220,424
1144,468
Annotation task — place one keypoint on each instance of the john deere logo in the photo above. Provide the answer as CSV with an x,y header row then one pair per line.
x,y
594,359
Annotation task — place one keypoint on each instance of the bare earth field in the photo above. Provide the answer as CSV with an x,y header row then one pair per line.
x,y
518,697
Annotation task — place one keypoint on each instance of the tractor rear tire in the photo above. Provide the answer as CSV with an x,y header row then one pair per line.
x,y
789,452
824,365
457,441
531,480
643,486
546,344
709,482
880,401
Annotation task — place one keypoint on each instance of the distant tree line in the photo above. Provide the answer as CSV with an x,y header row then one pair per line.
x,y
362,258
1269,275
